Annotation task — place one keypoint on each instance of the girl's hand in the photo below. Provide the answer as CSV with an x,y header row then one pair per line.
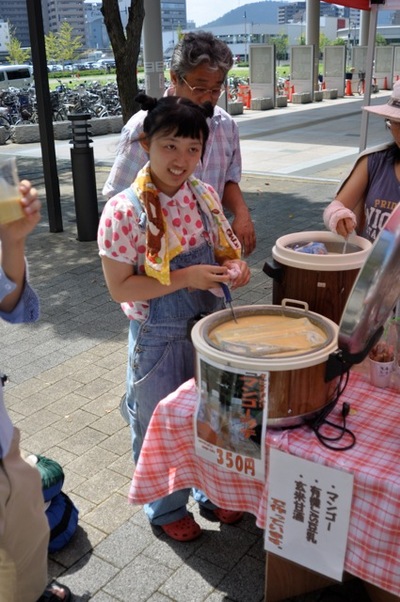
x,y
345,227
19,229
244,274
204,277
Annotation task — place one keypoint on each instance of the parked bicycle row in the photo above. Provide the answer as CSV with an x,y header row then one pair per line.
x,y
19,106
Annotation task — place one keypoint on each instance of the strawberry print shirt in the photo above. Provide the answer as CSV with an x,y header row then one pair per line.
x,y
120,238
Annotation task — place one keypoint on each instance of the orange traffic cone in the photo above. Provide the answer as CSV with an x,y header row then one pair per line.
x,y
249,99
291,92
348,91
287,88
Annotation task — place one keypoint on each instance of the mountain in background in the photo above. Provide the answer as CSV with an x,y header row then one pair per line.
x,y
256,12
267,12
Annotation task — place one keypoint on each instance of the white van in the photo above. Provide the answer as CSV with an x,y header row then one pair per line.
x,y
15,76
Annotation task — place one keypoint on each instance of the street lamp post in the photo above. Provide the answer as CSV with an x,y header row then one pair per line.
x,y
245,37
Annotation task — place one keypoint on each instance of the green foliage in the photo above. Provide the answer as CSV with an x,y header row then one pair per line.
x,y
380,40
51,46
339,42
16,54
63,47
323,41
281,45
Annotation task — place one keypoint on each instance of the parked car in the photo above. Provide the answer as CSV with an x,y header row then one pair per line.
x,y
16,76
103,63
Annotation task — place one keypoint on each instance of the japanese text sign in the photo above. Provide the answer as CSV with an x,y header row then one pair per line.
x,y
308,513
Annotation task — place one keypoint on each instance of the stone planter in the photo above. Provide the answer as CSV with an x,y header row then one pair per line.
x,y
62,130
301,98
261,104
24,134
281,101
99,126
330,94
3,135
115,124
235,108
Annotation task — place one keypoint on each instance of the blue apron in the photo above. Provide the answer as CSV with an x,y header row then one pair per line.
x,y
161,357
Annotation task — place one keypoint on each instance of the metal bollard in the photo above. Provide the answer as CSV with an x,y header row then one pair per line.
x,y
84,178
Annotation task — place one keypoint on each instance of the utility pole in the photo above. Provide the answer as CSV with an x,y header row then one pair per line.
x,y
36,33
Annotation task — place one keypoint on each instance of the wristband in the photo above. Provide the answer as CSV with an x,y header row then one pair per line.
x,y
335,212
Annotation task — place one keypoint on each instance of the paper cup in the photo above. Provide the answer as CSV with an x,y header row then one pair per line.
x,y
380,373
10,198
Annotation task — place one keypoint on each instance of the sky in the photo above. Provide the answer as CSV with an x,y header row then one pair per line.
x,y
208,10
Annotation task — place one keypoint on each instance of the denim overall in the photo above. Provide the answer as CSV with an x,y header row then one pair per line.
x,y
160,358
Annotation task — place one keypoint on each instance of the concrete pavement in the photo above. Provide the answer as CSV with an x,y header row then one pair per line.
x,y
66,373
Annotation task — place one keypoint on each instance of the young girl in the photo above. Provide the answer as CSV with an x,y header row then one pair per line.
x,y
371,191
165,244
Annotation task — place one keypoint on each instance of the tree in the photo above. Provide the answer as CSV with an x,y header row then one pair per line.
x,y
16,54
380,40
51,46
68,46
126,48
281,46
323,41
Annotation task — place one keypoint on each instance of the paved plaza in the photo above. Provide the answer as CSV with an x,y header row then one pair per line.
x,y
66,375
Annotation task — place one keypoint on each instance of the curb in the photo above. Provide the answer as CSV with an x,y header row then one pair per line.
x,y
29,133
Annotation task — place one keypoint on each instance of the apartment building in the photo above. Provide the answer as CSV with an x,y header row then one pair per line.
x,y
69,11
14,12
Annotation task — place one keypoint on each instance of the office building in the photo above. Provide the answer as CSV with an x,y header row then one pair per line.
x,y
14,12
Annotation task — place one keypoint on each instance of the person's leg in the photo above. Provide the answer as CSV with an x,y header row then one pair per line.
x,y
168,509
151,377
209,510
24,529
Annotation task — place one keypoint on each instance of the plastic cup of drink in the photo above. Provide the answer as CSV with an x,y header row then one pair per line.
x,y
380,373
10,197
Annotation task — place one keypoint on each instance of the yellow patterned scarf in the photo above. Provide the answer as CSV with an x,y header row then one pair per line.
x,y
162,245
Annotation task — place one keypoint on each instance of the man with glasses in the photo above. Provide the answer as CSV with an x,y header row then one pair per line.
x,y
199,67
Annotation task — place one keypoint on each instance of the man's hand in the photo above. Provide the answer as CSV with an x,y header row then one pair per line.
x,y
242,224
243,227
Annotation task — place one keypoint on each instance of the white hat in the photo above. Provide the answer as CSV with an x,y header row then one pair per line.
x,y
391,110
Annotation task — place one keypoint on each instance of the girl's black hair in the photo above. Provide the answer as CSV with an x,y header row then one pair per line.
x,y
394,152
177,115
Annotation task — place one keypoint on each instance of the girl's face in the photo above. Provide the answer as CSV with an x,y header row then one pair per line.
x,y
172,160
395,130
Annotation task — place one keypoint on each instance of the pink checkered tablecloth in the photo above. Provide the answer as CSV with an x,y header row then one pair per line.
x,y
168,463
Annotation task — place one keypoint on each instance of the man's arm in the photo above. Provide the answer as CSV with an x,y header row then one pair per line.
x,y
130,158
242,223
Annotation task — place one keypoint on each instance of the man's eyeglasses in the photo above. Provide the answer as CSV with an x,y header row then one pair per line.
x,y
197,91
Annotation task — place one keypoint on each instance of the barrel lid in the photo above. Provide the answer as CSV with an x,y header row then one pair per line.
x,y
270,334
339,257
256,360
374,294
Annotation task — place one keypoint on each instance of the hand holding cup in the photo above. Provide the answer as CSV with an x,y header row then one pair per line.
x,y
10,196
